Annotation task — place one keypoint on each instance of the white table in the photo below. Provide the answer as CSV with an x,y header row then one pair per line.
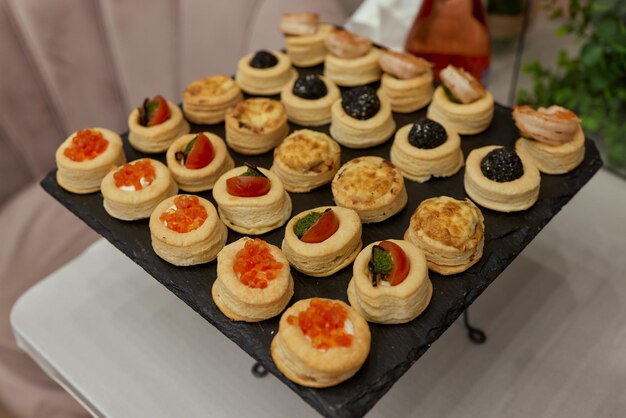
x,y
125,346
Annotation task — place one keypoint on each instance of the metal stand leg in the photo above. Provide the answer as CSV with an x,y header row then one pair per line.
x,y
258,370
475,335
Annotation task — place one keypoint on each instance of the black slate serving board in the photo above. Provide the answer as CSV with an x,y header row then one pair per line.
x,y
394,347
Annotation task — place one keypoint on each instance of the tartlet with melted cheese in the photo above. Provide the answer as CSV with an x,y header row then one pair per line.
x,y
205,101
255,126
325,258
306,160
372,186
450,232
384,303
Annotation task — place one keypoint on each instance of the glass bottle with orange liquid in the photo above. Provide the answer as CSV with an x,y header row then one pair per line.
x,y
452,32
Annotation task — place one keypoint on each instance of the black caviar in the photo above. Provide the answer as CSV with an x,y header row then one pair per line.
x,y
502,165
361,102
427,134
263,59
310,87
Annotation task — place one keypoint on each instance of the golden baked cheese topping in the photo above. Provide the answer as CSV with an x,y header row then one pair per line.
x,y
446,220
364,180
306,151
216,85
258,115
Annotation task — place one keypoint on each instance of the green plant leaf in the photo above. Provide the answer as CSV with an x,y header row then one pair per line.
x,y
592,54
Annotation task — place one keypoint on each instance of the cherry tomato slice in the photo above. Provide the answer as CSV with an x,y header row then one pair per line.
x,y
161,113
201,153
323,229
400,263
248,186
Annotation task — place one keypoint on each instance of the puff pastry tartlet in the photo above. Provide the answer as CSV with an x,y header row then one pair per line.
x,y
205,101
264,73
450,232
85,157
185,230
304,38
321,241
133,190
352,61
501,179
425,149
256,126
306,160
320,342
407,81
372,186
253,281
552,138
252,200
155,125
196,161
361,119
308,99
390,283
461,103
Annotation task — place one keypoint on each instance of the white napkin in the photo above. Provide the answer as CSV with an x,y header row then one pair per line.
x,y
386,22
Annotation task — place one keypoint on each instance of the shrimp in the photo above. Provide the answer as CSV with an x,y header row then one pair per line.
x,y
403,65
554,125
463,86
299,23
345,44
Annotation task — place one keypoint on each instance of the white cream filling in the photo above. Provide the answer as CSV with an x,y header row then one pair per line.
x,y
349,327
142,181
168,211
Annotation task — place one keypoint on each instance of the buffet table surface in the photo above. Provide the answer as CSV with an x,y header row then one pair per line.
x,y
137,350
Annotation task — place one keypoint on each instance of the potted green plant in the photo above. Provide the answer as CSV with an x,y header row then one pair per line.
x,y
593,83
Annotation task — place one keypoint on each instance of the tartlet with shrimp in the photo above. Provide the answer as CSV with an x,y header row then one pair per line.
x,y
304,38
551,137
461,102
352,60
407,81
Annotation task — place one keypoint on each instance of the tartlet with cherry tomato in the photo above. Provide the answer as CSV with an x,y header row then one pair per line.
x,y
185,230
252,200
198,160
155,124
390,283
132,191
321,241
85,157
253,282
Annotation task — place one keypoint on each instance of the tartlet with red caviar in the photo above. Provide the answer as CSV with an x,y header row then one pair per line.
x,y
196,161
320,342
253,281
186,230
252,200
153,126
85,157
133,190
321,241
390,283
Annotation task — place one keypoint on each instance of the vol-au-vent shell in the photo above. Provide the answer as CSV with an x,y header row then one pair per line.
x,y
344,44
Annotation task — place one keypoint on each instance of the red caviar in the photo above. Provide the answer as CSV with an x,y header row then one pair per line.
x,y
131,174
87,144
324,323
188,215
255,264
